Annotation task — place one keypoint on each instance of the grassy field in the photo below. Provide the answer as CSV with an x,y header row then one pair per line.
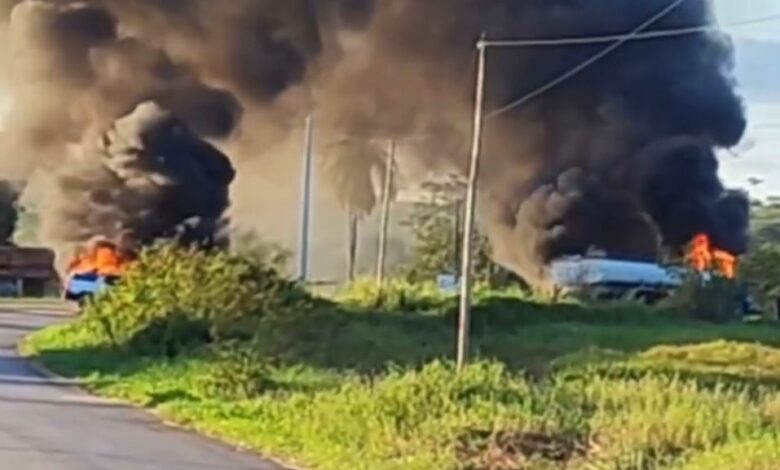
x,y
620,395
368,385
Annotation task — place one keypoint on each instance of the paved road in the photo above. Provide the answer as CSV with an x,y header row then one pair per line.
x,y
45,425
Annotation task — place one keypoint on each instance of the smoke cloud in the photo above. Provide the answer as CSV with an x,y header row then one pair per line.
x,y
146,178
620,158
9,215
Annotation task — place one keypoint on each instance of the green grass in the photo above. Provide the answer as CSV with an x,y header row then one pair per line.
x,y
761,453
553,387
45,302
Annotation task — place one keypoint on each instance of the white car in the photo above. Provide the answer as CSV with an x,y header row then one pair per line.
x,y
82,286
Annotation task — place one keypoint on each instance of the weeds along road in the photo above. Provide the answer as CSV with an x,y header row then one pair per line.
x,y
46,425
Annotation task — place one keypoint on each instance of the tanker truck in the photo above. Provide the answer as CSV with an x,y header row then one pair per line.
x,y
615,279
610,279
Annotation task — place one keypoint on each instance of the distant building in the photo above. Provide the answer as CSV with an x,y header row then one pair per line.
x,y
26,272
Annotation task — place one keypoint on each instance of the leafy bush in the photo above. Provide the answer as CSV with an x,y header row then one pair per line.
x,y
175,298
712,298
761,270
396,295
168,335
643,393
237,372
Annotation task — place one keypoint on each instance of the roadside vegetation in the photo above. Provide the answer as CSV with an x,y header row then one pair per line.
x,y
223,344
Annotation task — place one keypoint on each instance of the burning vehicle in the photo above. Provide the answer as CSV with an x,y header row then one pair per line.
x,y
610,279
96,268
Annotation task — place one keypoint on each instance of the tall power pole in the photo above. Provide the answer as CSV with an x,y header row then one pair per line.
x,y
303,242
385,216
457,236
353,235
466,280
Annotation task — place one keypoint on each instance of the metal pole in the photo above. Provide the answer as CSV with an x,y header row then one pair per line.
x,y
385,217
471,200
352,242
303,246
457,235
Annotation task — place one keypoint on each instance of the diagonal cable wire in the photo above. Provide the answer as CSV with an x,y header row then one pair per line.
x,y
574,41
587,63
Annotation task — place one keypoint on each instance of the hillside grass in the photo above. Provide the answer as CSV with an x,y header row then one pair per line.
x,y
363,381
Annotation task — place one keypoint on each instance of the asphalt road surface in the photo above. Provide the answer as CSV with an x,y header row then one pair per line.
x,y
51,425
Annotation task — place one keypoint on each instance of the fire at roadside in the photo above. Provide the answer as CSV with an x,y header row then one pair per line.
x,y
146,178
95,266
705,281
703,257
101,258
116,100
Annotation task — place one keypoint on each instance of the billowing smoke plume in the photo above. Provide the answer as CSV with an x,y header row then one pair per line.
x,y
621,157
147,177
134,178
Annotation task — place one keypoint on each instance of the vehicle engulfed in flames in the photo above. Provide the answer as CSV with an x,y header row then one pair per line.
x,y
98,266
610,279
613,279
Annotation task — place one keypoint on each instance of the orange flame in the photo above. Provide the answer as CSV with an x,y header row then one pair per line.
x,y
102,258
704,258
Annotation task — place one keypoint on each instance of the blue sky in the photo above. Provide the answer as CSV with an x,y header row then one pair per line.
x,y
737,10
759,156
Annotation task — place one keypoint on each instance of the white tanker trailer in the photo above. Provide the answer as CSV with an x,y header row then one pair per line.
x,y
613,279
610,279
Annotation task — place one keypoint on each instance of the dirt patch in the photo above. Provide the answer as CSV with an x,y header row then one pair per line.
x,y
513,450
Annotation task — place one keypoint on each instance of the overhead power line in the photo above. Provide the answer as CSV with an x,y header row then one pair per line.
x,y
585,64
574,41
466,281
764,126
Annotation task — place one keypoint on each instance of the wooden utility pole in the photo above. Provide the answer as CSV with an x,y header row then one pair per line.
x,y
470,212
303,242
384,227
457,235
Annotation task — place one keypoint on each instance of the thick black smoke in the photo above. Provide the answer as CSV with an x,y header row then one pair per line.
x,y
620,158
141,177
681,191
147,178
9,214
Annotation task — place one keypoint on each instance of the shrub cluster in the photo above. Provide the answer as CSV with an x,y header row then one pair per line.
x,y
713,299
177,298
263,364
